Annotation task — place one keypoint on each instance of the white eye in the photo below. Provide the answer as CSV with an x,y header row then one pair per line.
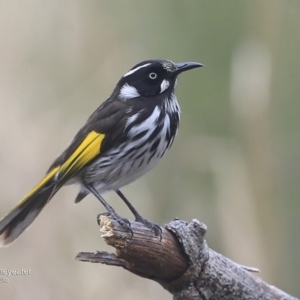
x,y
152,75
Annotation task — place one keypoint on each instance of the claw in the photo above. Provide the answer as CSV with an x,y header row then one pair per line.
x,y
157,231
98,217
125,224
155,228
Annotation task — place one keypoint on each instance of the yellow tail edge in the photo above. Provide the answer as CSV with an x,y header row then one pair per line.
x,y
26,210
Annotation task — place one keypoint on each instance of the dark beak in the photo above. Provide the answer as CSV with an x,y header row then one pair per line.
x,y
185,66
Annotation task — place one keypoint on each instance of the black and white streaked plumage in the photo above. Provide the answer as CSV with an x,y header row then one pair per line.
x,y
121,141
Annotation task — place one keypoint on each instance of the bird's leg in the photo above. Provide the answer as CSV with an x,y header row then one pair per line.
x,y
138,218
122,221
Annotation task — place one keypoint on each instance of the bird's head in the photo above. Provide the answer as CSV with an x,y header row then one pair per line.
x,y
151,78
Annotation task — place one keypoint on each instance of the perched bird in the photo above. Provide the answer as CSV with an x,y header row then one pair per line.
x,y
121,141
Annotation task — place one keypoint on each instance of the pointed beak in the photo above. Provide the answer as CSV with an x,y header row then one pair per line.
x,y
185,66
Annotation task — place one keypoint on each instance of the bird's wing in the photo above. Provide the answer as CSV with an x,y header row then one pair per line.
x,y
103,130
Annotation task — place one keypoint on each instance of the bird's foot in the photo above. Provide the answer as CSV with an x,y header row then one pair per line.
x,y
155,228
122,221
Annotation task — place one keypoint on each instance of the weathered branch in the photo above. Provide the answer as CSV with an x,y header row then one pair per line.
x,y
181,262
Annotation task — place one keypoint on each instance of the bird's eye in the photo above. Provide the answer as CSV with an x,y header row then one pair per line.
x,y
152,75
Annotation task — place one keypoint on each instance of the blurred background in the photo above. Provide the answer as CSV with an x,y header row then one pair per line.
x,y
235,164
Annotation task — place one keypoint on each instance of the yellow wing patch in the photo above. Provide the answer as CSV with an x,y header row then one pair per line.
x,y
87,150
43,182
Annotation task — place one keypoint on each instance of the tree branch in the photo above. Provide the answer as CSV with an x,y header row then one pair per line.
x,y
181,262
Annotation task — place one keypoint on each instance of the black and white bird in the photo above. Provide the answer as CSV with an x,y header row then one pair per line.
x,y
122,140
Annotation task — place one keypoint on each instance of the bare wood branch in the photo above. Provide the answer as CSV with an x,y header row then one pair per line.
x,y
181,262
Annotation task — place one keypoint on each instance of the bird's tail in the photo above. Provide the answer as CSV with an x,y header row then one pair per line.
x,y
20,217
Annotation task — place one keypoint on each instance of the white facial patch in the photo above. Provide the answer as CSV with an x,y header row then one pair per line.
x,y
164,85
128,92
136,69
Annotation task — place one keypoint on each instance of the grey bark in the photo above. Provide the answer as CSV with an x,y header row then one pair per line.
x,y
181,262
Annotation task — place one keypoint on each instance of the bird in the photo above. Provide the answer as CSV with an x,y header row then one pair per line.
x,y
124,138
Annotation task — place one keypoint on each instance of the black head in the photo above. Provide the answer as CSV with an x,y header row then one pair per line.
x,y
151,78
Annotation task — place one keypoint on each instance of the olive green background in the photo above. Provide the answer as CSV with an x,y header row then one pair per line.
x,y
235,164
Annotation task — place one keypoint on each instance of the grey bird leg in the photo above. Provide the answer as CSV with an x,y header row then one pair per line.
x,y
138,218
122,221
